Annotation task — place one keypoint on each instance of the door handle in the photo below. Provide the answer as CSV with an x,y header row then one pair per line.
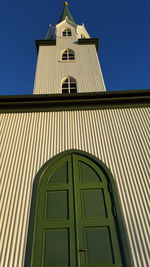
x,y
83,249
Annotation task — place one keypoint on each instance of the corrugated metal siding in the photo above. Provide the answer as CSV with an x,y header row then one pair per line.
x,y
118,137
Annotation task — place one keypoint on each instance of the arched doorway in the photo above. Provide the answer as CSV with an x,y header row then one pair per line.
x,y
74,220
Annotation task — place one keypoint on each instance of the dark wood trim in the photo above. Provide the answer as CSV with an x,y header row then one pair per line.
x,y
89,41
100,100
48,42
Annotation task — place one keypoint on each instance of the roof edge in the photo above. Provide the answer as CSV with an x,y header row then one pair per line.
x,y
98,100
45,42
89,41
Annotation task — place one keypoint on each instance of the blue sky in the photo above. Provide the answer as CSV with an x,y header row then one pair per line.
x,y
123,29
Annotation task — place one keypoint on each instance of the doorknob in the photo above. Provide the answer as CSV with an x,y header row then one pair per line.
x,y
83,249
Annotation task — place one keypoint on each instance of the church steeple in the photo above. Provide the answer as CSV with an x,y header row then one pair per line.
x,y
66,13
67,59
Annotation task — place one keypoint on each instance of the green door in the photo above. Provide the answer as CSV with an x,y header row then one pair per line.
x,y
74,220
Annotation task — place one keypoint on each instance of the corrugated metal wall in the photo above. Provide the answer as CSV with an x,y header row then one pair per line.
x,y
118,137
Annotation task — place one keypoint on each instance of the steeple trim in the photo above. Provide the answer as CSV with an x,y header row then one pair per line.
x,y
66,13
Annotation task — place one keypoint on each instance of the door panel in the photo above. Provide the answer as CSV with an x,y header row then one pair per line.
x,y
56,247
55,235
88,174
57,204
93,203
60,175
98,242
75,224
95,222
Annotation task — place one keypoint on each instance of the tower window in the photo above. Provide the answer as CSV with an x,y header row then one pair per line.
x,y
82,36
66,32
69,85
68,54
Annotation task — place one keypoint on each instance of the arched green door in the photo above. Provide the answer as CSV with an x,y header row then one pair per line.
x,y
74,217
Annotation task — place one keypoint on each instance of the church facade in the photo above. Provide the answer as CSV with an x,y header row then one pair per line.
x,y
75,162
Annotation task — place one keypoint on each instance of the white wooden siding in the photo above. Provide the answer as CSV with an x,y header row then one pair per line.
x,y
51,70
118,137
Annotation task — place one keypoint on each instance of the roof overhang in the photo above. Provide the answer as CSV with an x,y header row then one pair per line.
x,y
52,42
89,41
51,102
46,42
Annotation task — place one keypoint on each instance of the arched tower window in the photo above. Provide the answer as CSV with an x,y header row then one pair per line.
x,y
69,85
73,221
82,36
66,32
68,54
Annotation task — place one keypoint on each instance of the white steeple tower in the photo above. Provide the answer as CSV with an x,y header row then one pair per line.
x,y
68,60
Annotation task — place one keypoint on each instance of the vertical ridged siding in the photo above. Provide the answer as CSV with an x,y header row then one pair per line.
x,y
51,69
118,137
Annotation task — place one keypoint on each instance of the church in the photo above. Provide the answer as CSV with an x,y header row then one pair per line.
x,y
74,162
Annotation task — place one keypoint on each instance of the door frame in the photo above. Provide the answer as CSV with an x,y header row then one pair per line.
x,y
114,194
